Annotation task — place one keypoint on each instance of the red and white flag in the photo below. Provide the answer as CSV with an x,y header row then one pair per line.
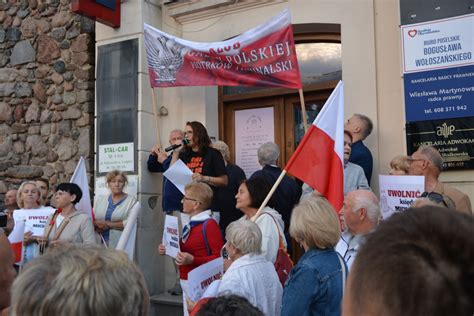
x,y
16,240
319,158
79,177
262,56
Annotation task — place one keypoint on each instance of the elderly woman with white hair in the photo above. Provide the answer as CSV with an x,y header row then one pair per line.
x,y
250,275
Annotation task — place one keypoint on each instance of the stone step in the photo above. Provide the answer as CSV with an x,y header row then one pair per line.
x,y
165,304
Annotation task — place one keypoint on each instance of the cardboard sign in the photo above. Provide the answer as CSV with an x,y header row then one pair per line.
x,y
171,236
397,193
201,278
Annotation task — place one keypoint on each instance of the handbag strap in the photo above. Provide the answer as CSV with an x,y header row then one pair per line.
x,y
343,266
281,246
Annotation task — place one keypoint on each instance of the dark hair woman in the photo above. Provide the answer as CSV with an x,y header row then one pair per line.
x,y
68,225
250,196
205,162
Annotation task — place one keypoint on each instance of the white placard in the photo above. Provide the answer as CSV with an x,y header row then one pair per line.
x,y
102,190
438,44
116,157
398,192
35,219
200,278
171,236
253,128
179,174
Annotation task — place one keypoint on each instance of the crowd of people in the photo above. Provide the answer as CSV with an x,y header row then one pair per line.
x,y
353,262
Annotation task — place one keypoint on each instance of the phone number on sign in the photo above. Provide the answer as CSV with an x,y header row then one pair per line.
x,y
450,108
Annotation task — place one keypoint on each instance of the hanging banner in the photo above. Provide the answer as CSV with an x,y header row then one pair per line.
x,y
438,67
262,56
454,139
397,193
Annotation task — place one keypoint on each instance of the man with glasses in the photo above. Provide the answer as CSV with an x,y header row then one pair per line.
x,y
427,161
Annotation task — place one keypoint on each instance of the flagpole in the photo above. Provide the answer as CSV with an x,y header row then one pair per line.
x,y
156,116
269,195
303,111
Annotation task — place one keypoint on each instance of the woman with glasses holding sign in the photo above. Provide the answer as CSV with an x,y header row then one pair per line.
x,y
201,240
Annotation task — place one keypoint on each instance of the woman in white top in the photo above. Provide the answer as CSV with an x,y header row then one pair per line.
x,y
29,200
250,274
111,212
250,196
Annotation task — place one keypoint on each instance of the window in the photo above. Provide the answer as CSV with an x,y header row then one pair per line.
x,y
117,93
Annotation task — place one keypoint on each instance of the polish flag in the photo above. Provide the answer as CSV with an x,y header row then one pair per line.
x,y
319,158
16,240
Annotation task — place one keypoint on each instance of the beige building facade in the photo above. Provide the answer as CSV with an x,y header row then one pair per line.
x,y
371,70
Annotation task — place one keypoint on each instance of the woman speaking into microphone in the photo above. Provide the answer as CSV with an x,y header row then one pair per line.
x,y
205,162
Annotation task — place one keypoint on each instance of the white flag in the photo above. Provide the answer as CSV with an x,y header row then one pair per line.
x,y
127,239
80,178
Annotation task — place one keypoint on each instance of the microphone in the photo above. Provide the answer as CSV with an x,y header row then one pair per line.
x,y
173,147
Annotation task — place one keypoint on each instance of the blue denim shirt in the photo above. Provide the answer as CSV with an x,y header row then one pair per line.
x,y
314,286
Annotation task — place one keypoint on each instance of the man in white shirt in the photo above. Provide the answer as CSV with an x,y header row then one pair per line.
x,y
361,213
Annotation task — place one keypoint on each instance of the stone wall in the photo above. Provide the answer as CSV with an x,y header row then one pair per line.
x,y
46,91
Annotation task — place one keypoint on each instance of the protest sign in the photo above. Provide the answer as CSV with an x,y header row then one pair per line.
x,y
171,236
35,219
201,278
398,192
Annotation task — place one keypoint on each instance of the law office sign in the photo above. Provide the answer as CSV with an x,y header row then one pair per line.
x,y
438,68
453,138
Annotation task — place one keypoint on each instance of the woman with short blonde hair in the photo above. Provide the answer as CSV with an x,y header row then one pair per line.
x,y
399,166
29,200
316,224
111,212
315,284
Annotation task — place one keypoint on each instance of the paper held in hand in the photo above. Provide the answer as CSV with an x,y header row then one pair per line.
x,y
179,174
171,236
201,278
398,192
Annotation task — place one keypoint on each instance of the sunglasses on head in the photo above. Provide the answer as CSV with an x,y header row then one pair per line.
x,y
435,197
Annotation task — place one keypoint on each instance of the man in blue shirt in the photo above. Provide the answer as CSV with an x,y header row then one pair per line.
x,y
159,161
360,126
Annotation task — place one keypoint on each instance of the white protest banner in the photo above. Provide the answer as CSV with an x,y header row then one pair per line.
x,y
398,192
171,236
35,219
200,278
179,174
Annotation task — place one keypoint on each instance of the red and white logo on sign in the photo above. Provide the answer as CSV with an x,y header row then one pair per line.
x,y
412,33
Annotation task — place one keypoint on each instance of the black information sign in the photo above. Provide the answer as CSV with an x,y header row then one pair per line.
x,y
454,139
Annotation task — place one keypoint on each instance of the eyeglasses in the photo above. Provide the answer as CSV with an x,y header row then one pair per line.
x,y
224,253
435,197
189,199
